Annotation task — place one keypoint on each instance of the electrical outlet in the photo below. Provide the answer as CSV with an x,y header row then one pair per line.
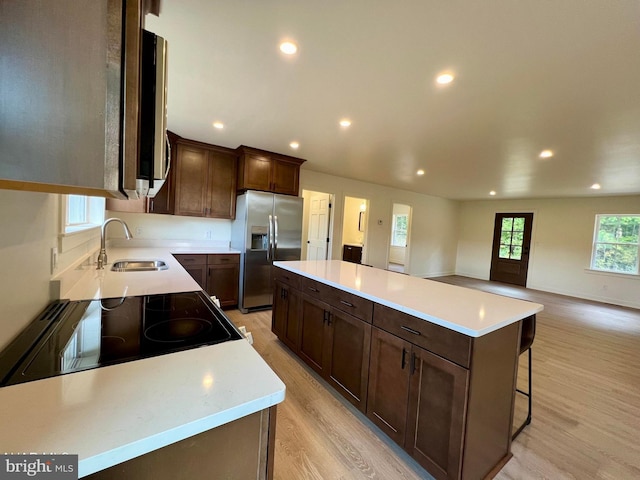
x,y
208,234
54,258
138,231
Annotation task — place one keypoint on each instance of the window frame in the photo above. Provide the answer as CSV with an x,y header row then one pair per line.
x,y
395,218
596,243
94,208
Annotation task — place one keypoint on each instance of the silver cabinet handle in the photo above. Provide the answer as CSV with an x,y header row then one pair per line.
x,y
410,330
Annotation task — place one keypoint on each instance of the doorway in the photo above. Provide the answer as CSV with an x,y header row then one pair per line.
x,y
317,221
511,247
398,258
354,229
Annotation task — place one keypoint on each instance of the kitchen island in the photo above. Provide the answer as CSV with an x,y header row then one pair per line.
x,y
432,365
193,410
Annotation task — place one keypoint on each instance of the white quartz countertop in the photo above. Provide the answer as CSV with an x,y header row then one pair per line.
x,y
111,414
463,310
93,284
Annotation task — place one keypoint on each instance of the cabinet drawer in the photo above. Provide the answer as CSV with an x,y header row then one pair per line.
x,y
288,278
191,259
347,302
223,259
451,345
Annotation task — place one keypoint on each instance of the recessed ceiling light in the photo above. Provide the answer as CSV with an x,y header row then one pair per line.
x,y
420,172
294,145
596,186
345,122
492,193
288,48
445,78
218,125
546,154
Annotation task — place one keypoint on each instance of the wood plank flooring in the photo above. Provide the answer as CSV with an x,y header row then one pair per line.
x,y
586,401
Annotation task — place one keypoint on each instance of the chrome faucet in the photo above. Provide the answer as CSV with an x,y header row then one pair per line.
x,y
102,256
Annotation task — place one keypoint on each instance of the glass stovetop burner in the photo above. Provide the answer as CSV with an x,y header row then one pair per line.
x,y
96,333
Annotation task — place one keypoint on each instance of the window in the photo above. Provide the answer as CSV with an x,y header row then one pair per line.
x,y
511,237
616,244
399,230
82,213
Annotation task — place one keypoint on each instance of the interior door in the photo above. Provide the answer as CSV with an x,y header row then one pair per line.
x,y
318,233
511,246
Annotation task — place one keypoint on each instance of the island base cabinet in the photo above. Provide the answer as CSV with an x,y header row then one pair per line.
x,y
285,317
437,407
389,377
239,449
336,345
313,335
349,347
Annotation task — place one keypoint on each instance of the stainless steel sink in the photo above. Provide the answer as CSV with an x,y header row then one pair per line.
x,y
139,266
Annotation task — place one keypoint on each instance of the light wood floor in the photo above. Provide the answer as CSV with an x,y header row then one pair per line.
x,y
586,407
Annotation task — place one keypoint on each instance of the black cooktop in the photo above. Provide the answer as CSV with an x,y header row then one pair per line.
x,y
79,335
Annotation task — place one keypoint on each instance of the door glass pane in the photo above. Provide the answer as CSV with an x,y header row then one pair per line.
x,y
516,253
518,224
504,251
507,224
505,238
516,238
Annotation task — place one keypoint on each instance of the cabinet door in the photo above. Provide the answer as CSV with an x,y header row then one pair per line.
x,y
389,375
284,176
437,403
196,266
256,172
222,281
221,201
314,333
199,274
348,357
285,316
191,187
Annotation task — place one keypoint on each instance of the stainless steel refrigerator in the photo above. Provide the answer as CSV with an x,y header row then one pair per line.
x,y
267,227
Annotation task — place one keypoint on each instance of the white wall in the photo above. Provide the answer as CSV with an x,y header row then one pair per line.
x,y
30,229
561,245
434,223
172,227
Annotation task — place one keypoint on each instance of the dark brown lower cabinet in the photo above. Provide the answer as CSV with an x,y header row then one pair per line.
x,y
336,345
437,406
389,384
348,359
445,397
418,399
217,274
286,315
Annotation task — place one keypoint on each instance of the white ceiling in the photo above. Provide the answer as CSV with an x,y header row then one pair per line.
x,y
530,75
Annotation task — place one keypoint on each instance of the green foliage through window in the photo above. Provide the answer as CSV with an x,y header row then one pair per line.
x,y
616,244
511,238
399,233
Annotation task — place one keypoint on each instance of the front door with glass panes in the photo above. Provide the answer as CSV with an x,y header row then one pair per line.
x,y
511,243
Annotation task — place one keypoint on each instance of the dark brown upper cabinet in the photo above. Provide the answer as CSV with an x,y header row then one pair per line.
x,y
205,180
268,171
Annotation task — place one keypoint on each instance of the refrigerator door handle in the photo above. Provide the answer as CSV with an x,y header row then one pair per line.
x,y
270,238
275,237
